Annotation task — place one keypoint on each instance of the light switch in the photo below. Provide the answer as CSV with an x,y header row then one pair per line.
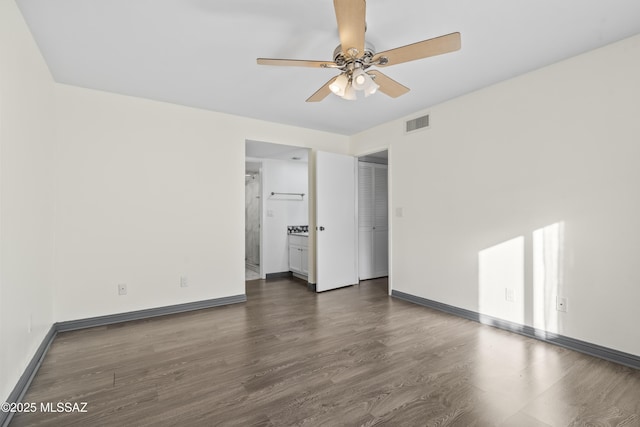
x,y
269,213
399,212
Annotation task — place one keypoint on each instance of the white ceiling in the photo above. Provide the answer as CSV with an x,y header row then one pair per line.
x,y
202,53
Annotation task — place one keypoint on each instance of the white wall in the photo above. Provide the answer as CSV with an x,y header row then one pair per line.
x,y
148,191
281,176
556,146
27,136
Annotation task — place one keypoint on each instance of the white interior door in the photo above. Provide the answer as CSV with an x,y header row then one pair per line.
x,y
336,221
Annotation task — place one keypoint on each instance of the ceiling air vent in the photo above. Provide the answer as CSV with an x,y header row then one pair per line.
x,y
417,123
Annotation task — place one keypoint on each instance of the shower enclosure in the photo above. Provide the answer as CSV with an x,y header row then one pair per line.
x,y
252,220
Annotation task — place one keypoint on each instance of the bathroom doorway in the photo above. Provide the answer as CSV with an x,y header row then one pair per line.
x,y
277,193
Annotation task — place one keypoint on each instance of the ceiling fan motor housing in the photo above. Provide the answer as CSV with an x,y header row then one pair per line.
x,y
363,61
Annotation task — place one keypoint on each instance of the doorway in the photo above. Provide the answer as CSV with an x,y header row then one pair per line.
x,y
279,173
373,216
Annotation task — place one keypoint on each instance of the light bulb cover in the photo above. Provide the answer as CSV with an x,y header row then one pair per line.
x,y
339,85
349,93
359,79
371,87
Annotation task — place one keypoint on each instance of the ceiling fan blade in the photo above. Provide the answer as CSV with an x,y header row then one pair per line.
x,y
322,92
296,63
350,15
419,50
388,86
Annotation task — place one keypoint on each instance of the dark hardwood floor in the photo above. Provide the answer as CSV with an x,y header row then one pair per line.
x,y
352,356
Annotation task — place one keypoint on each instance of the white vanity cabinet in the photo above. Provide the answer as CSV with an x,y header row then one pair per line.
x,y
299,255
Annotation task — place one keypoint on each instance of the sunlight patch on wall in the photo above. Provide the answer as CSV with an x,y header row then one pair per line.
x,y
501,280
547,275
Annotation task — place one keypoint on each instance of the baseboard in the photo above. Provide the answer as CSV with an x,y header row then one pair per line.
x,y
311,287
72,325
30,371
591,349
300,276
279,275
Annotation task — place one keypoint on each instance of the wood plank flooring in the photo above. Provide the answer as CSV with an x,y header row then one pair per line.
x,y
352,356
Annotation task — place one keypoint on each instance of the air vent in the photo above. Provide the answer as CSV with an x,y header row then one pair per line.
x,y
417,123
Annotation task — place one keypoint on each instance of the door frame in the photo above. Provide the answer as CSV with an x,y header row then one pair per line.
x,y
275,151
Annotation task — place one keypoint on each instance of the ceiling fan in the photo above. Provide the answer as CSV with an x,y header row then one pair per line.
x,y
354,56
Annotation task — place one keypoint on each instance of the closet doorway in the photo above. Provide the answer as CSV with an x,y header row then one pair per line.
x,y
373,216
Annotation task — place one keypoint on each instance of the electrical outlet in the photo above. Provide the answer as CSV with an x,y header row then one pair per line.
x,y
509,295
122,289
561,304
184,282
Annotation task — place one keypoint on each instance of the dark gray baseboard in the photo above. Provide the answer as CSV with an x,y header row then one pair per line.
x,y
21,387
71,325
591,349
311,286
279,275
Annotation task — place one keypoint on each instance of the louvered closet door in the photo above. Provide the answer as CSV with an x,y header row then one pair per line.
x,y
365,221
372,221
381,222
